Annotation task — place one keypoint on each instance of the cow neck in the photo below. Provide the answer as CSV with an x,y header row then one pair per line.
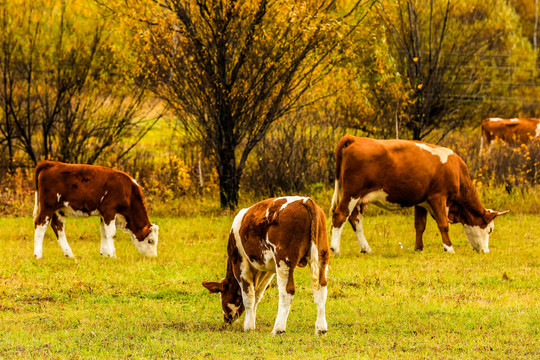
x,y
137,215
470,200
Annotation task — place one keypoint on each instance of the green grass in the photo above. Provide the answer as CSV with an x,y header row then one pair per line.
x,y
396,303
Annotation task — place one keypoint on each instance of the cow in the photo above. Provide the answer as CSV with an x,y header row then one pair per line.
x,y
394,174
84,190
274,236
511,131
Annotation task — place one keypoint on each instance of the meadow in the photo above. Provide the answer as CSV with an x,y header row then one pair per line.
x,y
396,303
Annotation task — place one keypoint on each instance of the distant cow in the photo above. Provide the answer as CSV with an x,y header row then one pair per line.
x,y
83,190
394,174
511,131
274,236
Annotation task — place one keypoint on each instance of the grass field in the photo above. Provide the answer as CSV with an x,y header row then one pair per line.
x,y
396,303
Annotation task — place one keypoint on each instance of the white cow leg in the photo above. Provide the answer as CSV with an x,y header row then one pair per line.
x,y
285,298
39,235
364,246
104,245
319,296
107,243
248,297
335,244
58,224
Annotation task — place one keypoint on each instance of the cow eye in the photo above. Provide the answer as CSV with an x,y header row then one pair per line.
x,y
150,241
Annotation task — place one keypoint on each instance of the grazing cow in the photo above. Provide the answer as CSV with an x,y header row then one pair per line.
x,y
394,174
511,131
274,236
83,190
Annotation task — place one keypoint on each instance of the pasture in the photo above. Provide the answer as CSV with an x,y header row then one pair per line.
x,y
396,303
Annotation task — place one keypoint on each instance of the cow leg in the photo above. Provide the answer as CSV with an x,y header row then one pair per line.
x,y
285,283
356,220
108,231
440,214
341,214
58,225
420,220
248,296
41,222
319,296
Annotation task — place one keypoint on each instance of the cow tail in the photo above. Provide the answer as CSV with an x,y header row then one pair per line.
x,y
342,144
40,167
319,246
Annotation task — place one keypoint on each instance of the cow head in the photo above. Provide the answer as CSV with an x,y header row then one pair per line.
x,y
477,228
148,246
231,298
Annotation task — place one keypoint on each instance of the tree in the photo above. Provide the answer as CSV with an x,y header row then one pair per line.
x,y
439,52
231,68
63,92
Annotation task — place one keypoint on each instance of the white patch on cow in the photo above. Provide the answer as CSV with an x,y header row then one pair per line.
x,y
291,199
442,152
234,309
58,197
478,237
285,299
103,197
237,224
336,239
108,231
495,119
537,134
148,247
514,120
267,213
448,249
135,182
69,211
352,205
319,297
39,235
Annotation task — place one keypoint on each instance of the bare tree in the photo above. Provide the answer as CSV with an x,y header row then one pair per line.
x,y
437,52
232,68
59,89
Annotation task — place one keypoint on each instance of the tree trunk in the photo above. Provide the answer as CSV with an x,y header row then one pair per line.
x,y
228,179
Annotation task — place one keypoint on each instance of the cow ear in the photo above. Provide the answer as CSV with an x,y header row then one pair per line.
x,y
213,287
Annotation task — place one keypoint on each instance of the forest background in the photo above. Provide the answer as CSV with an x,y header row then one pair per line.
x,y
229,101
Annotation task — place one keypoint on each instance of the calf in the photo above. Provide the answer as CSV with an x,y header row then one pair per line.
x,y
511,131
83,190
274,236
394,174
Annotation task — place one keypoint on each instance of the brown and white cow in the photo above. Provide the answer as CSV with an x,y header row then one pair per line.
x,y
511,131
274,236
83,190
394,174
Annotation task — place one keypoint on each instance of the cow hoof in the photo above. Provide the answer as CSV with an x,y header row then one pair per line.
x,y
335,252
321,332
366,251
418,249
278,332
